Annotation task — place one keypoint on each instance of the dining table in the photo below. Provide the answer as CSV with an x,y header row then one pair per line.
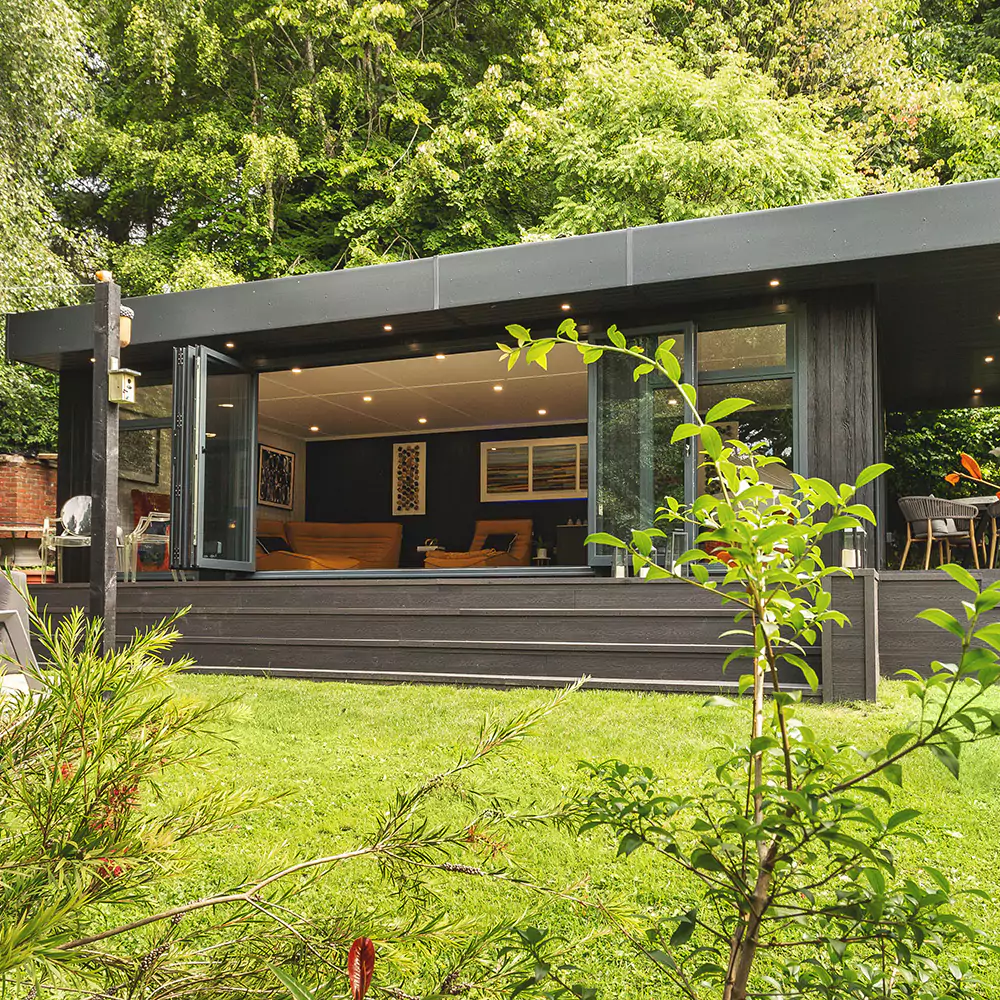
x,y
983,504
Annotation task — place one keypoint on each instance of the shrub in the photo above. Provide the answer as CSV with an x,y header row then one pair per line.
x,y
92,843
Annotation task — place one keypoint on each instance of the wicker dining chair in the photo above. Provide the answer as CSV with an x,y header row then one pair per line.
x,y
931,519
992,514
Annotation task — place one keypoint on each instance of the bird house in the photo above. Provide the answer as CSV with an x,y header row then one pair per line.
x,y
121,385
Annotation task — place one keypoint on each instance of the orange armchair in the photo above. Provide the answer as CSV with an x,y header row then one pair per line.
x,y
518,554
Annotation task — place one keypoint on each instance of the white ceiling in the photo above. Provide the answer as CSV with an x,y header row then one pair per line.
x,y
452,393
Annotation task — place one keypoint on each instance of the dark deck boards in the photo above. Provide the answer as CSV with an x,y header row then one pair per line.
x,y
500,631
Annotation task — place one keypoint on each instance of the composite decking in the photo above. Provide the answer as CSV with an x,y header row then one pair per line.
x,y
490,631
537,631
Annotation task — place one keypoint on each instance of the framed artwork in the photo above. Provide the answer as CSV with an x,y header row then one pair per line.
x,y
533,469
275,477
139,455
409,488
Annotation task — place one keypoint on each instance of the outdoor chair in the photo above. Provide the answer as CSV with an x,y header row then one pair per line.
x,y
947,522
74,520
992,513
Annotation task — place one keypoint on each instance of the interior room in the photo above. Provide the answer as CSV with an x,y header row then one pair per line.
x,y
447,461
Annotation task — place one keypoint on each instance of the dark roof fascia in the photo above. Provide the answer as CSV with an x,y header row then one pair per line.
x,y
777,241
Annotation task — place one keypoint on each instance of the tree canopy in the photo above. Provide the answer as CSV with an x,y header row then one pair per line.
x,y
188,143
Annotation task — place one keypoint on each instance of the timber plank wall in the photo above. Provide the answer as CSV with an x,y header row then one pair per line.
x,y
906,641
660,636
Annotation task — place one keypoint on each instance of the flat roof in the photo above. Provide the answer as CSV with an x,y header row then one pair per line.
x,y
826,243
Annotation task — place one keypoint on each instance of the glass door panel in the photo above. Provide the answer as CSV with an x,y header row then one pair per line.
x,y
215,431
635,464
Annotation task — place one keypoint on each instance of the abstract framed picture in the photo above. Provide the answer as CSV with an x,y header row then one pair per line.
x,y
409,490
275,477
139,455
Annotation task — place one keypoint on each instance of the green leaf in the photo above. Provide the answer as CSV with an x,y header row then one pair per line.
x,y
603,538
629,843
711,441
871,472
894,773
294,987
684,431
592,354
616,337
567,328
640,370
518,332
946,757
689,392
960,575
903,816
723,409
944,620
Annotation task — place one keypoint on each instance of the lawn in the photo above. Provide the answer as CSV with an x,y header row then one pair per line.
x,y
335,753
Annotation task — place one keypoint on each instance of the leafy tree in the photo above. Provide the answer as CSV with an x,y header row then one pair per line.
x,y
43,89
787,846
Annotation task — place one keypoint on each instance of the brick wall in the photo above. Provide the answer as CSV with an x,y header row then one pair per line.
x,y
27,489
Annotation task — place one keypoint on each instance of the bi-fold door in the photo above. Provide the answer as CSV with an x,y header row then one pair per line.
x,y
212,504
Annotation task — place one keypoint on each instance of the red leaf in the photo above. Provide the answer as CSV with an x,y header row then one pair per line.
x,y
360,966
971,466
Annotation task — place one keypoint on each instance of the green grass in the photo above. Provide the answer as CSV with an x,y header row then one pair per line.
x,y
335,753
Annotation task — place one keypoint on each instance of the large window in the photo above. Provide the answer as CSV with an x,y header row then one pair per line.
x,y
637,465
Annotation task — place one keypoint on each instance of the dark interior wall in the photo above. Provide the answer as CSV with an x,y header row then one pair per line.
x,y
351,480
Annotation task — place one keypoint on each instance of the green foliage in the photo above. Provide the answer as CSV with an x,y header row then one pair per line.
x,y
108,786
923,446
791,843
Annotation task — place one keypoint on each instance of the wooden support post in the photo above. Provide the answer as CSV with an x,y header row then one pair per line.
x,y
104,464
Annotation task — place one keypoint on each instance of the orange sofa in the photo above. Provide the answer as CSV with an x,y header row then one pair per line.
x,y
322,545
519,553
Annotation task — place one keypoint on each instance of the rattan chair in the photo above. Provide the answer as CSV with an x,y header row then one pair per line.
x,y
931,519
993,514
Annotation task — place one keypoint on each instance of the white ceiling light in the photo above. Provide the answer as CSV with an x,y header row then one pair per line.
x,y
296,371
366,399
498,388
421,420
387,327
542,413
314,428
440,357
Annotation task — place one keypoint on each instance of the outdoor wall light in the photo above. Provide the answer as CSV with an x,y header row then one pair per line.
x,y
440,357
977,392
387,328
125,317
565,307
229,345
774,282
296,371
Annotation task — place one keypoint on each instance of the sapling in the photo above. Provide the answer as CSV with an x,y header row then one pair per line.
x,y
789,847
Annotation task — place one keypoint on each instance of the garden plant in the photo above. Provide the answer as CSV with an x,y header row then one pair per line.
x,y
788,848
96,839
